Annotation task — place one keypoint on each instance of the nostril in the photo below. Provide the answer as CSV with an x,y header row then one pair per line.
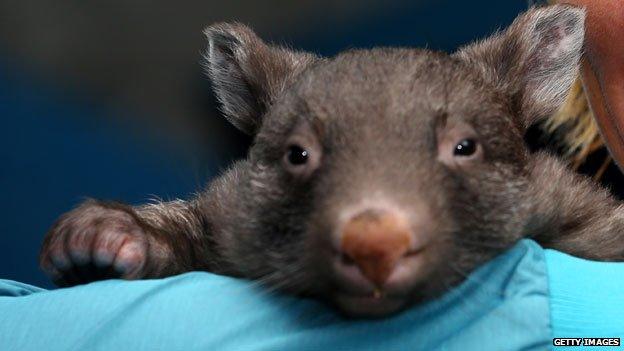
x,y
346,260
414,252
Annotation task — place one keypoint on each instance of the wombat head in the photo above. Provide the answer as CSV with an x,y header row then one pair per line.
x,y
381,177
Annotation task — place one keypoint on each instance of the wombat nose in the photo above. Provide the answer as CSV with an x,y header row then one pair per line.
x,y
376,241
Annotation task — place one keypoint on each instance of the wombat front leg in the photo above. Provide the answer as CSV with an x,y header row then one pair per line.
x,y
573,214
99,240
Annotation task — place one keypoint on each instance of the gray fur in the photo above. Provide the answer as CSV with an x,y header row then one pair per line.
x,y
535,60
247,73
381,122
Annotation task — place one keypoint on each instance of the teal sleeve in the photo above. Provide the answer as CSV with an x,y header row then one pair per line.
x,y
587,298
502,306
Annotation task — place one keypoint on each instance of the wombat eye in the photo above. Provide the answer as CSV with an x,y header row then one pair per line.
x,y
466,147
301,155
296,155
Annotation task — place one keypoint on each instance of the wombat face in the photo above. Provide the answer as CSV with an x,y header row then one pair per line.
x,y
379,178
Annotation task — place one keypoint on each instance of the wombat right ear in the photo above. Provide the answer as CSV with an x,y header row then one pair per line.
x,y
535,61
248,74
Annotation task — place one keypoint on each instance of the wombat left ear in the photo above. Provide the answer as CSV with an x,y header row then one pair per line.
x,y
248,74
535,60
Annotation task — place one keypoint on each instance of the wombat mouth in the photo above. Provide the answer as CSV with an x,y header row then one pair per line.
x,y
369,306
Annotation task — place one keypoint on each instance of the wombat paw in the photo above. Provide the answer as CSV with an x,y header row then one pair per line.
x,y
94,242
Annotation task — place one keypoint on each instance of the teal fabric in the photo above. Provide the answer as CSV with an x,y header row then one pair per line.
x,y
586,298
502,306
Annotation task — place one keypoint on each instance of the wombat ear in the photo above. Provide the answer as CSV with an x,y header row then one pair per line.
x,y
535,60
247,74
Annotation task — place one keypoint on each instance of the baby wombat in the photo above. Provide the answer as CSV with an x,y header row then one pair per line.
x,y
377,179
